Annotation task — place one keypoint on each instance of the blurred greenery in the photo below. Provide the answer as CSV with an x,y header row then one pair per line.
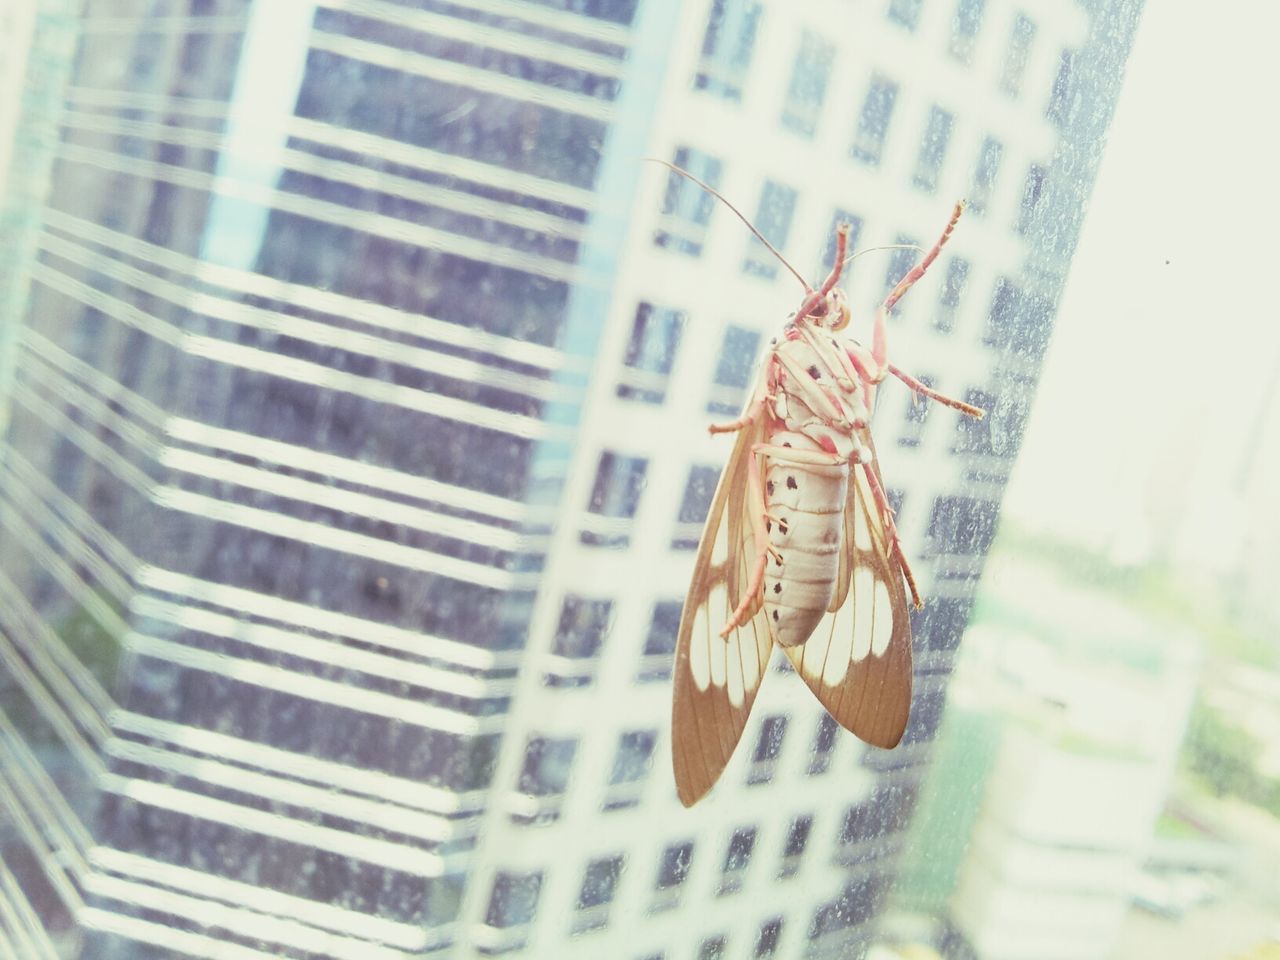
x,y
1155,588
94,645
1218,756
1221,758
1170,827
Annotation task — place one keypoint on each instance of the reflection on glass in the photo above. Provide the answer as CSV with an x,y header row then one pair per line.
x,y
354,377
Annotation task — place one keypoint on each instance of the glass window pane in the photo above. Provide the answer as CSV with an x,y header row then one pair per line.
x,y
727,46
873,122
810,74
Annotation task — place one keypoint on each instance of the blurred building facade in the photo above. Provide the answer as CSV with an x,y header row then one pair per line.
x,y
355,396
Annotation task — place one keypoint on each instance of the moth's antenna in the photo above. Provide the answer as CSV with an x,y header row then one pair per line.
x,y
888,246
738,213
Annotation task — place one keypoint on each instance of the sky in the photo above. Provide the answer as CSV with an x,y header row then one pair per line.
x,y
1168,333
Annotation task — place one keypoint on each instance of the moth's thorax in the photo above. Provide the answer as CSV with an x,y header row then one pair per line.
x,y
794,412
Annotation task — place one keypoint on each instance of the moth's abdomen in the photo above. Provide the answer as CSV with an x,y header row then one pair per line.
x,y
805,510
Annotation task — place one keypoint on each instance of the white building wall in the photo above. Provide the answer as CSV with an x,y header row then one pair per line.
x,y
714,291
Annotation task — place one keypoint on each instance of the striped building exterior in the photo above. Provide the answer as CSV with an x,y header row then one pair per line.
x,y
354,376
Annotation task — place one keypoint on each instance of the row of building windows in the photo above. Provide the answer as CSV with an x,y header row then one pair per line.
x,y
656,330
733,25
650,357
620,480
548,761
687,208
514,898
965,525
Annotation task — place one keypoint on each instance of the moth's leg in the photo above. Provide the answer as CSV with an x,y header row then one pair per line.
x,y
926,391
891,529
879,334
751,415
764,394
757,509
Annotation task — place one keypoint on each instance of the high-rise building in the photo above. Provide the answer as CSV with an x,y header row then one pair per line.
x,y
354,403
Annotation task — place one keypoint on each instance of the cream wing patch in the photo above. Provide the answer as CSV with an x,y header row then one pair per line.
x,y
716,678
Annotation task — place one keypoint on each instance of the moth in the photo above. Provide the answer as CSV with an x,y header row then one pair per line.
x,y
800,548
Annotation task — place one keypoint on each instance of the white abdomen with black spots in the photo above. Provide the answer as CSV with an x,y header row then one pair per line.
x,y
805,518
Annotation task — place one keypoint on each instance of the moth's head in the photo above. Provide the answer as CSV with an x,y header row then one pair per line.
x,y
832,313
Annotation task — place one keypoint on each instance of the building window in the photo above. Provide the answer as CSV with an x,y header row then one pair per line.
x,y
599,884
886,811
896,497
614,498
926,715
673,870
660,644
905,13
686,207
1002,318
514,899
547,763
793,850
964,29
810,75
694,506
767,941
734,371
1015,63
651,351
917,414
984,174
1060,99
933,149
1032,191
858,902
773,220
768,748
962,525
727,47
943,622
824,745
952,290
873,123
631,765
584,623
712,948
973,436
736,861
675,865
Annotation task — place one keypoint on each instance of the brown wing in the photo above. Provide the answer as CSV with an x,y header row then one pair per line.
x,y
858,659
716,679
